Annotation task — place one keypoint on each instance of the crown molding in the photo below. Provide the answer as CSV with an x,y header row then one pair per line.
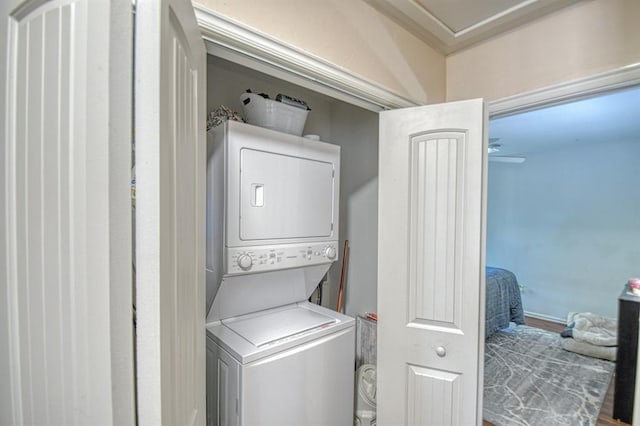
x,y
434,29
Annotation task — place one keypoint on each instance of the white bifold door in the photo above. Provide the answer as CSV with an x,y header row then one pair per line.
x,y
67,335
170,146
67,294
431,264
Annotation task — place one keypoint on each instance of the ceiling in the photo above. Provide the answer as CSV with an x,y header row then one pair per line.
x,y
608,117
450,25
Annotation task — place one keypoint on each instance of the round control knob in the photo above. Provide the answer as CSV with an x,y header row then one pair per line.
x,y
245,261
441,351
330,252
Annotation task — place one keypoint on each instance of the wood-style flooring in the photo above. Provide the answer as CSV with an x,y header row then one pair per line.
x,y
606,412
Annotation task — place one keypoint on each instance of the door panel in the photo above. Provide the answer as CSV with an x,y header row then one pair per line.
x,y
433,396
68,301
436,180
431,264
170,176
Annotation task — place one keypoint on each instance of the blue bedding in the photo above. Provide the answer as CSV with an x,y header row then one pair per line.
x,y
503,301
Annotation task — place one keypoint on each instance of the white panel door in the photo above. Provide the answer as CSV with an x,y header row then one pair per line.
x,y
431,264
67,355
170,230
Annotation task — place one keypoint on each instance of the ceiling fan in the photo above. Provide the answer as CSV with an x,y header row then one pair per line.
x,y
494,147
506,159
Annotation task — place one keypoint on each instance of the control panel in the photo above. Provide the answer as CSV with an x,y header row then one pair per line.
x,y
242,260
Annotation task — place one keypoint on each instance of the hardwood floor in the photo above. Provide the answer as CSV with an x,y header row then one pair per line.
x,y
606,412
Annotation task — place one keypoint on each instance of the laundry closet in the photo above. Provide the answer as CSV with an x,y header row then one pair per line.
x,y
279,209
355,130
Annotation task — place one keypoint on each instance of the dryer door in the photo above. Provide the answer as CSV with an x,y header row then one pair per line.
x,y
284,196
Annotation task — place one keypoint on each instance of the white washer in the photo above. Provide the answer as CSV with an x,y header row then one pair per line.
x,y
283,366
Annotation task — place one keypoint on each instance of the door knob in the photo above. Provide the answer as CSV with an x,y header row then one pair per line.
x,y
441,351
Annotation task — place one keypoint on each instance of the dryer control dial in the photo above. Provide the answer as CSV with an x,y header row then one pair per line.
x,y
245,261
330,252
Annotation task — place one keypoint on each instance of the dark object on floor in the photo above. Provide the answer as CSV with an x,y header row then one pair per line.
x,y
529,379
568,332
628,312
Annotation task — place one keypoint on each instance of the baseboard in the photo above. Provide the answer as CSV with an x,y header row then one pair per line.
x,y
545,317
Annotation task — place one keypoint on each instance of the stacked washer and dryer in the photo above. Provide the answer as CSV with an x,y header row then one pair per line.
x,y
272,233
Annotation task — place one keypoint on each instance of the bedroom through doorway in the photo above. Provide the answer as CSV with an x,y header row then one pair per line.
x,y
562,192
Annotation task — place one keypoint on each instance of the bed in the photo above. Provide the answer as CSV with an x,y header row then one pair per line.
x,y
503,301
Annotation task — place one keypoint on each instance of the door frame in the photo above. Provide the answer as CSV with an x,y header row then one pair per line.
x,y
572,90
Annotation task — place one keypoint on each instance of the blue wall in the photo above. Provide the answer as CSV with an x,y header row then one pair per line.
x,y
567,223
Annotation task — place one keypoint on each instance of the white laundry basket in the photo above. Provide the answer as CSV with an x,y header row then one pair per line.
x,y
273,114
366,395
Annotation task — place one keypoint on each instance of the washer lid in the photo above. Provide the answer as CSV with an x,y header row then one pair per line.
x,y
264,329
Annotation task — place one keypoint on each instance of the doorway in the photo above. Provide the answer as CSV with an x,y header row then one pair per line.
x,y
564,218
562,192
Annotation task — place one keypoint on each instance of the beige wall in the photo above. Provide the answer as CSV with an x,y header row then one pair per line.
x,y
587,38
350,34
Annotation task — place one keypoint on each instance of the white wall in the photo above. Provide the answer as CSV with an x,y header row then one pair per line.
x,y
567,223
356,131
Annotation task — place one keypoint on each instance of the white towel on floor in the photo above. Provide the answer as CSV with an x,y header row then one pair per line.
x,y
582,348
594,329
